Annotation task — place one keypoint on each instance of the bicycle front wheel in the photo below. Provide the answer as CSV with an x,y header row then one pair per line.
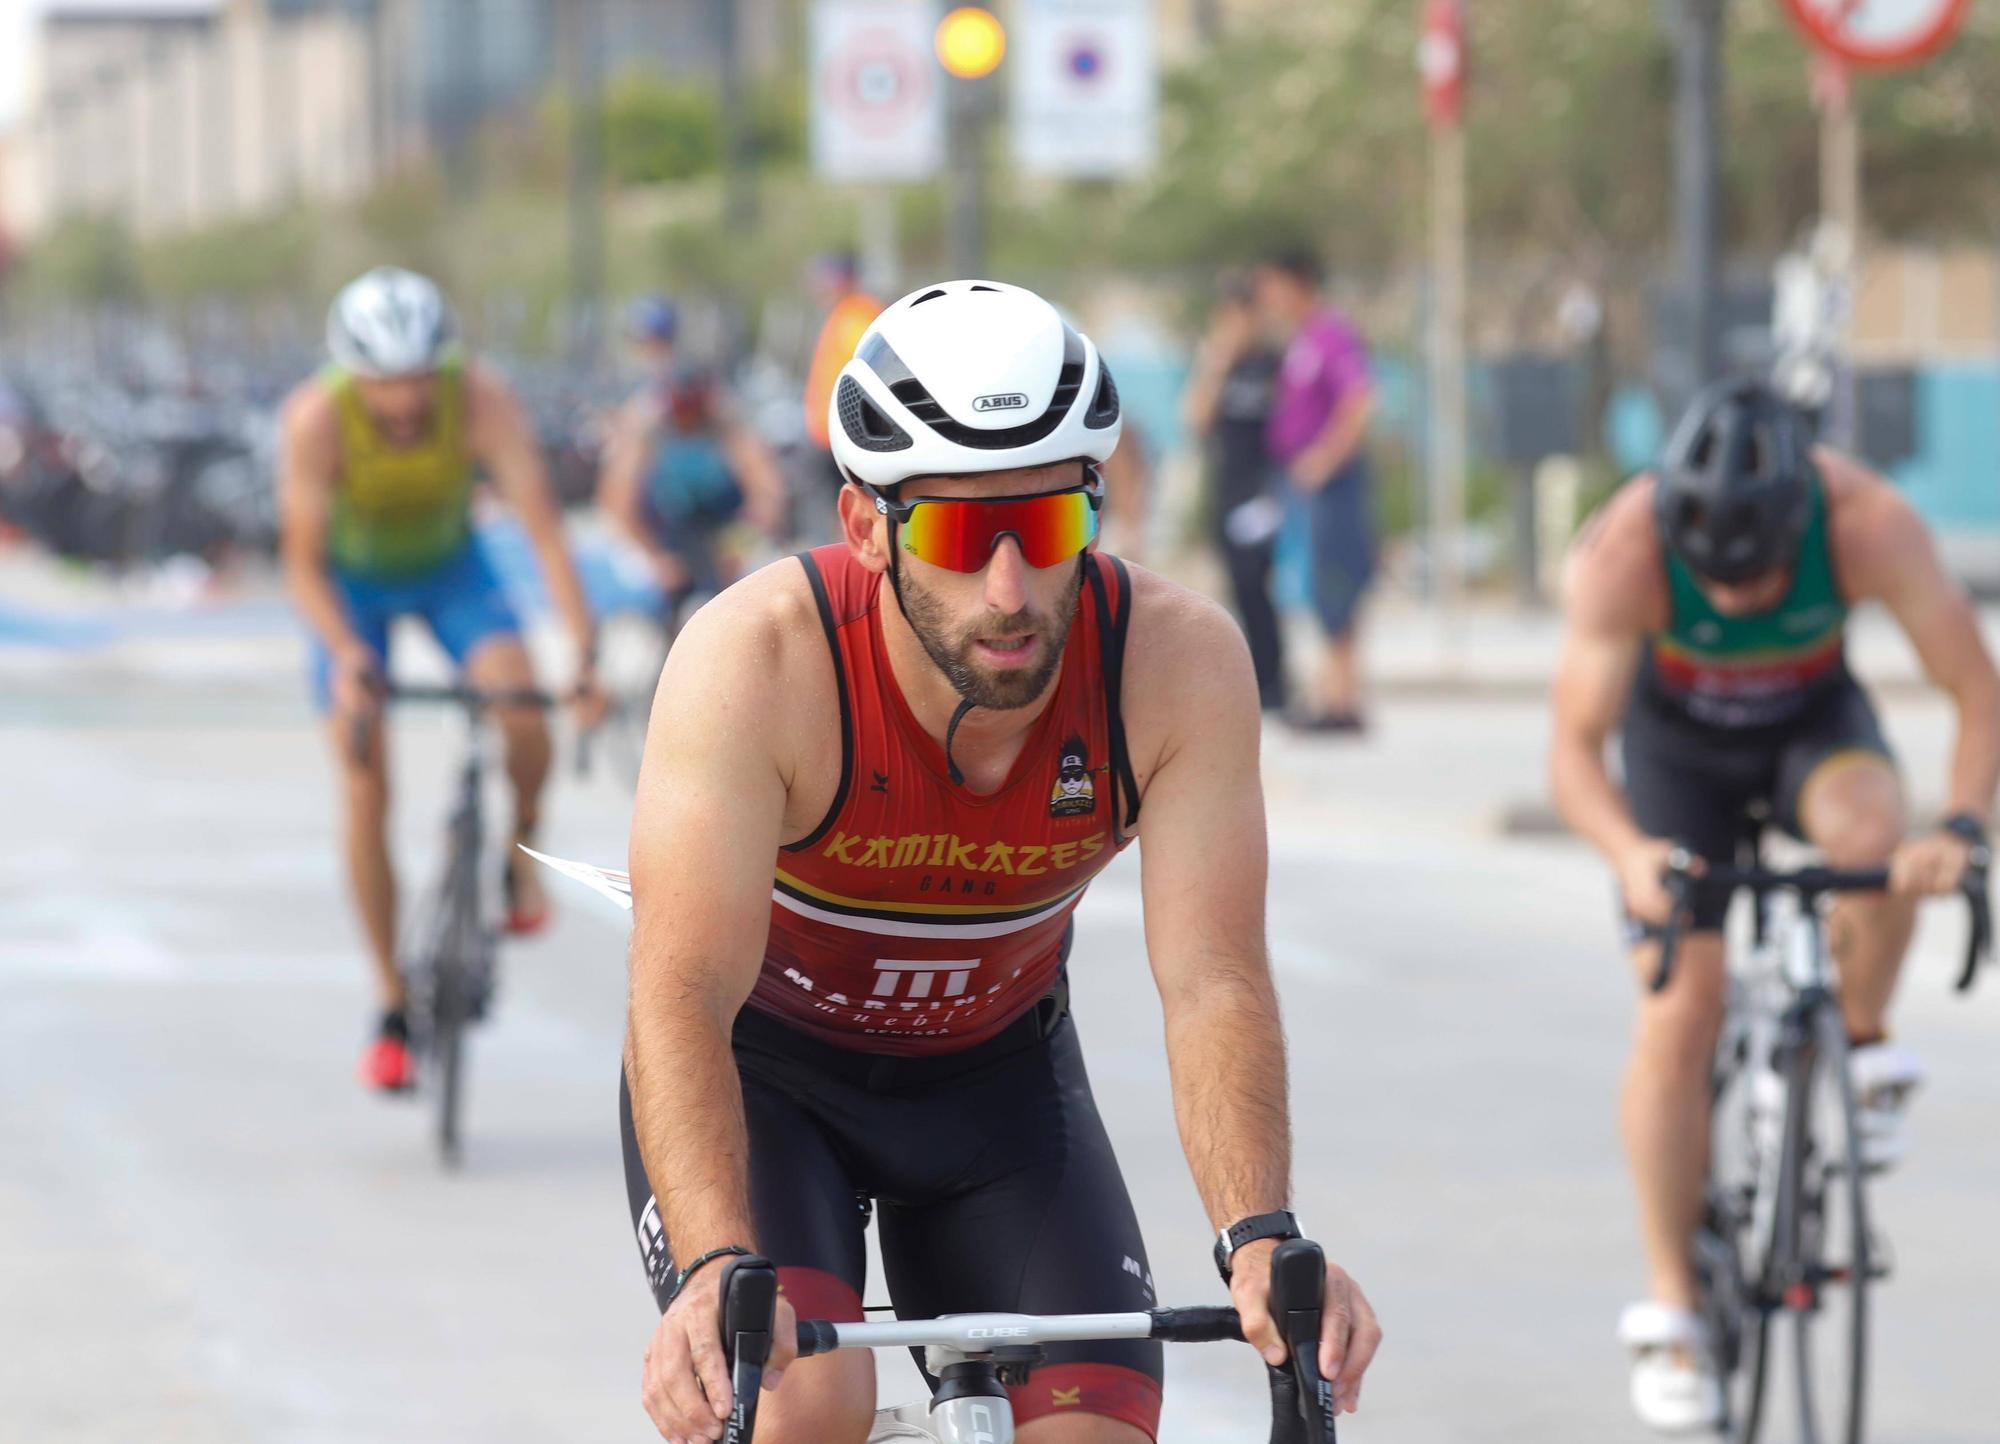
x,y
1828,1301
1732,1249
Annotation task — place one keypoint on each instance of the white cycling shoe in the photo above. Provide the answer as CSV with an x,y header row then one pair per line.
x,y
1675,1389
1885,1077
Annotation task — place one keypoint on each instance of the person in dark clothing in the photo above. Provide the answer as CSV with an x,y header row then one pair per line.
x,y
1228,404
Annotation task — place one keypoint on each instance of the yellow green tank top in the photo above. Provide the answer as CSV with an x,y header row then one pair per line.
x,y
400,510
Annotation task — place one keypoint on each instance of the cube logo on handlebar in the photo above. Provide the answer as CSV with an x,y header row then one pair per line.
x,y
972,1407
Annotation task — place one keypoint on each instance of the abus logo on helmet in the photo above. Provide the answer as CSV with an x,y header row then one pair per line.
x,y
1000,401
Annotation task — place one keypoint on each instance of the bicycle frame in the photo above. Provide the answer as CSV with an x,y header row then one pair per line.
x,y
1784,1030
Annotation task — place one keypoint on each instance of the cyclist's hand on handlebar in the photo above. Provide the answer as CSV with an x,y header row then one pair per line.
x,y
1930,866
1642,879
357,684
1349,1334
686,1390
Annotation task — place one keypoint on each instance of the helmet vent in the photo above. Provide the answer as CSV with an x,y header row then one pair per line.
x,y
1104,406
864,423
994,290
930,295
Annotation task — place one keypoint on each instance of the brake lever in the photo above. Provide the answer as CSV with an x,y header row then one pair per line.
x,y
1679,883
1979,946
1298,1295
749,1313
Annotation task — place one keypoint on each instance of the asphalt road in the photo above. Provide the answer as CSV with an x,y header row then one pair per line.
x,y
209,1233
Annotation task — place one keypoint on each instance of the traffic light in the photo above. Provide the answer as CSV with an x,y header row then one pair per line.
x,y
971,42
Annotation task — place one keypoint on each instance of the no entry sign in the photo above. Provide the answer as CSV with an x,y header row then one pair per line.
x,y
1885,34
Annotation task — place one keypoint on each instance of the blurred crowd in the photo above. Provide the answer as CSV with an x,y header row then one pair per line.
x,y
152,453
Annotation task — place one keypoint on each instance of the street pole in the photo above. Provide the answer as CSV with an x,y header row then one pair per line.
x,y
1447,351
880,248
739,204
1208,20
1840,204
966,147
1698,189
582,42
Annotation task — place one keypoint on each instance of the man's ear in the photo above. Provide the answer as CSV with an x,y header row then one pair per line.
x,y
863,528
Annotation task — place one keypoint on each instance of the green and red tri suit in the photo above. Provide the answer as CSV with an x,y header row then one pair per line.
x,y
1753,671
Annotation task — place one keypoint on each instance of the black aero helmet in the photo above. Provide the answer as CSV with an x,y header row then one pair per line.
x,y
1735,483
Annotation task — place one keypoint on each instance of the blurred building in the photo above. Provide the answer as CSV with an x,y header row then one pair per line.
x,y
181,113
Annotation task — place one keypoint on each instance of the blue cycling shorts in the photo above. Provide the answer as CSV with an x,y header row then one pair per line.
x,y
460,600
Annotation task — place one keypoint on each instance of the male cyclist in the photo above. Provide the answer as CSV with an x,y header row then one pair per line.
x,y
1706,608
878,780
377,458
681,468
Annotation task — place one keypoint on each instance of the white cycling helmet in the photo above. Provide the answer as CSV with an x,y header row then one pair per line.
x,y
390,322
970,376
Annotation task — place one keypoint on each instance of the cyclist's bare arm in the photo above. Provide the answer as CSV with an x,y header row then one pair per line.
x,y
502,439
1612,596
734,760
628,451
756,471
1194,727
308,465
1195,731
1884,550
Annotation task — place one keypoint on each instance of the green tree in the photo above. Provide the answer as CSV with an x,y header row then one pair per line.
x,y
657,130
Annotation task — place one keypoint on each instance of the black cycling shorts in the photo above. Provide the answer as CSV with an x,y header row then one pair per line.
x,y
993,1178
1712,788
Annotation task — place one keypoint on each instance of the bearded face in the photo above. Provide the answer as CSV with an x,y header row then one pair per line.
x,y
952,643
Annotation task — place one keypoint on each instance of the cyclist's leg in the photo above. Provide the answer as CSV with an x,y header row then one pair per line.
x,y
1838,788
1042,1223
1680,785
1663,1107
361,767
809,1224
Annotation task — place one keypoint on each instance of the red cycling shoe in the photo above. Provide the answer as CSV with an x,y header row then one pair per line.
x,y
388,1066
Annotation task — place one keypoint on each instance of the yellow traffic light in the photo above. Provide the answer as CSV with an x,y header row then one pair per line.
x,y
970,42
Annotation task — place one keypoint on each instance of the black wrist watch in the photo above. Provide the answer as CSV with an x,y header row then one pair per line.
x,y
1281,1225
1964,825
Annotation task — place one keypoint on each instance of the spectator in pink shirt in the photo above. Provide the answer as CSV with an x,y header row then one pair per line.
x,y
1316,437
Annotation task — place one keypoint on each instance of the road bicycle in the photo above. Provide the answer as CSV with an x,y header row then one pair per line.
x,y
1786,1243
975,1357
448,975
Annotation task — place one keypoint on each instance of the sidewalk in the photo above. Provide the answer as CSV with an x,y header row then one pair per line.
x,y
50,612
1500,649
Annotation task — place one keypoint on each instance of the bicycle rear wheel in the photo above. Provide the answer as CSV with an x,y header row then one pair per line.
x,y
453,978
1837,1265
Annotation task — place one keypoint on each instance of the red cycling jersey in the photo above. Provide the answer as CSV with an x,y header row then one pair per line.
x,y
921,917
